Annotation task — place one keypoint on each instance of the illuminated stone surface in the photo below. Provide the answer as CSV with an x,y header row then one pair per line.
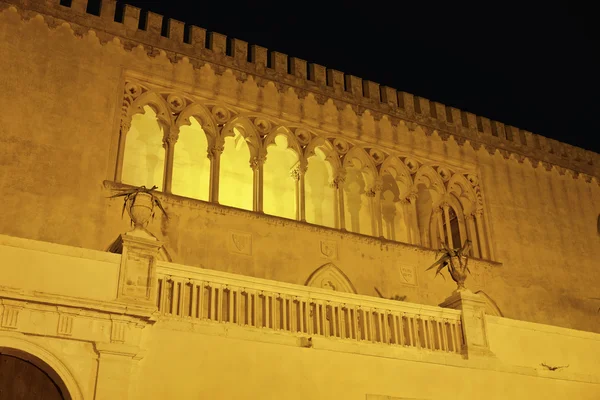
x,y
272,182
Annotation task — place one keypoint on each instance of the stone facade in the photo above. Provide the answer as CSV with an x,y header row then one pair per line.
x,y
137,325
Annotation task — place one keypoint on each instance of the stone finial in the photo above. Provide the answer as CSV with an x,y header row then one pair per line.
x,y
456,260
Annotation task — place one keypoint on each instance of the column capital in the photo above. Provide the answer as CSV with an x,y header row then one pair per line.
x,y
215,151
339,178
257,162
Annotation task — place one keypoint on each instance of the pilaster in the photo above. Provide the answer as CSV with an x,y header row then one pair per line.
x,y
116,363
137,275
474,328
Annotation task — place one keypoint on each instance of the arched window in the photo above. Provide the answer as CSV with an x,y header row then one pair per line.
x,y
191,166
452,226
319,193
279,184
357,200
236,176
395,209
144,154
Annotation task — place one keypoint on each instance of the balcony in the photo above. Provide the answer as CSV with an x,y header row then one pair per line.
x,y
194,295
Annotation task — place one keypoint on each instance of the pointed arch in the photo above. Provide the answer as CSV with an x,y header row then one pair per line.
x,y
158,104
246,129
291,138
203,116
240,171
396,212
462,189
361,174
399,169
329,276
429,188
320,201
428,177
281,183
192,170
450,227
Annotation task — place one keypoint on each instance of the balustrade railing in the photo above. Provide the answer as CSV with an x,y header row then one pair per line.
x,y
200,294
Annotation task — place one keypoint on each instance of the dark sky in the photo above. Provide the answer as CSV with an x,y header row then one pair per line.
x,y
533,67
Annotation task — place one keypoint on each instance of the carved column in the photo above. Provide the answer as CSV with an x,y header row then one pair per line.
x,y
474,328
338,185
448,232
472,234
376,208
169,142
405,217
413,224
124,130
481,234
214,154
297,174
437,214
257,163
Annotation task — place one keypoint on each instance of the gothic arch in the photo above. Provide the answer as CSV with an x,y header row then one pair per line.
x,y
331,155
44,360
292,141
202,115
329,276
158,104
246,129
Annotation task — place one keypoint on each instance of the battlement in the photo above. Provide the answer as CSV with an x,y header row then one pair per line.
x,y
196,43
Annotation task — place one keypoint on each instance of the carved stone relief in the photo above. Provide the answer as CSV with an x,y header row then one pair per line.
x,y
328,249
330,277
408,275
240,242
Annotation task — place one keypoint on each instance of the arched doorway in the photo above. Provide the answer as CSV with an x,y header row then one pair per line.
x,y
24,377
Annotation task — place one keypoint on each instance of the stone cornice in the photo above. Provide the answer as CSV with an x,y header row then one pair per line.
x,y
369,103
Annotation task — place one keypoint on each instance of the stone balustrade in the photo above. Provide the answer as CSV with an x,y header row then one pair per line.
x,y
200,294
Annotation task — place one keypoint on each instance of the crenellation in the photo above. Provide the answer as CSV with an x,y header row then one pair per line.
x,y
197,37
279,62
501,131
486,126
131,17
108,9
218,43
389,96
318,74
154,24
520,137
407,103
239,50
298,68
329,82
258,55
372,91
423,104
79,6
175,30
335,79
471,121
354,85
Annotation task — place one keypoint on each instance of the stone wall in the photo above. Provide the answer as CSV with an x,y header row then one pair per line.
x,y
61,101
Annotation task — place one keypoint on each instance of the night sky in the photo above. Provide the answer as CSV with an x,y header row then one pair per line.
x,y
531,67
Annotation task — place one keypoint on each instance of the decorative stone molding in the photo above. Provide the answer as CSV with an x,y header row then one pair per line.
x,y
474,325
302,98
330,277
